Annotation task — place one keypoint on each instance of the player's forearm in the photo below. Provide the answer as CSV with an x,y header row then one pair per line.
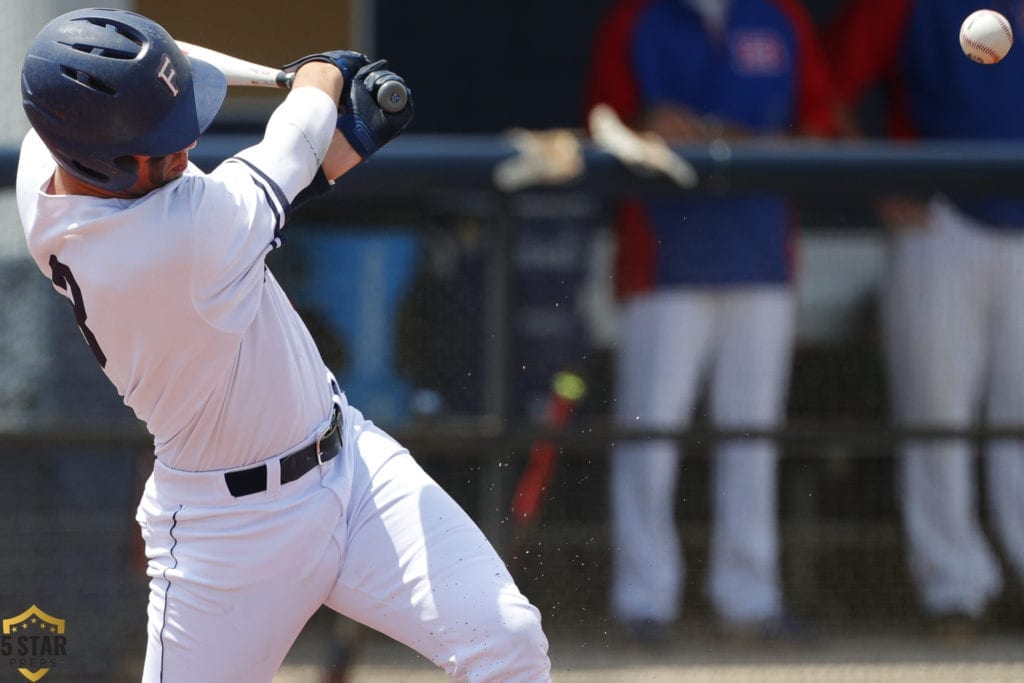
x,y
340,158
337,156
296,141
321,75
678,123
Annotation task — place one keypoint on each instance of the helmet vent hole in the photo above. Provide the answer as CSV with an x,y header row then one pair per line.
x,y
91,173
118,28
109,52
87,80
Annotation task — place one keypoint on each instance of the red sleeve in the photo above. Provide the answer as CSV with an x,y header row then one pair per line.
x,y
863,42
611,79
816,98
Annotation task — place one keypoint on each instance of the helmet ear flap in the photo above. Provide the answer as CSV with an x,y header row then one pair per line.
x,y
94,171
91,173
100,173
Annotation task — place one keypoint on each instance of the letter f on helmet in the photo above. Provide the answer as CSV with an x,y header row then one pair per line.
x,y
167,74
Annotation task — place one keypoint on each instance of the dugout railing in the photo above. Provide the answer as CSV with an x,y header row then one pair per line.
x,y
843,564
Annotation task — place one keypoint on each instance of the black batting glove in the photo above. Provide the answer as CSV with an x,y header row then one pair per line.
x,y
364,124
348,62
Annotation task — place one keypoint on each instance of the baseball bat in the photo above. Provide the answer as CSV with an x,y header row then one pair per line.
x,y
567,390
391,97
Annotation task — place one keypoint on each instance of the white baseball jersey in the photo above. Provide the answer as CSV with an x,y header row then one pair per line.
x,y
172,294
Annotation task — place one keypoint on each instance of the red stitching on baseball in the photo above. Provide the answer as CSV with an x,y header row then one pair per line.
x,y
979,46
1005,26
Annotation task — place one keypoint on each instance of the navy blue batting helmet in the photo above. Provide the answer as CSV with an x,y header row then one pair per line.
x,y
99,85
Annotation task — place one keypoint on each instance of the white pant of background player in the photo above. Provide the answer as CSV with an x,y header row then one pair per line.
x,y
348,534
740,340
955,341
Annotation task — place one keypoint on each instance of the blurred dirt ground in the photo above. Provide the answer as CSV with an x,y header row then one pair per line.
x,y
867,658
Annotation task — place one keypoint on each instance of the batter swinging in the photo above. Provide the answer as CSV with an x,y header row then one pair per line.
x,y
270,495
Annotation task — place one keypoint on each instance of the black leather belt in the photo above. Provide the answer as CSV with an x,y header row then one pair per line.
x,y
294,465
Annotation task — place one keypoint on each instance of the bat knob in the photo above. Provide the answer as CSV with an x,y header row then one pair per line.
x,y
392,97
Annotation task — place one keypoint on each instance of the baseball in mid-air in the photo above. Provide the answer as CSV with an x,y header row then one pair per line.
x,y
986,36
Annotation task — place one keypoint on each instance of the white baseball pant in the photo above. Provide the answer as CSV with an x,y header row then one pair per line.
x,y
954,327
738,339
369,534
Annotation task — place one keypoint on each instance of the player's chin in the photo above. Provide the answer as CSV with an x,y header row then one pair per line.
x,y
155,172
177,168
169,168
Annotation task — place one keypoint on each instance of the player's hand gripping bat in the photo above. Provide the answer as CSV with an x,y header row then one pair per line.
x,y
391,96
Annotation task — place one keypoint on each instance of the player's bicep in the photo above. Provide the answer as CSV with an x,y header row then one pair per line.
x,y
661,71
236,228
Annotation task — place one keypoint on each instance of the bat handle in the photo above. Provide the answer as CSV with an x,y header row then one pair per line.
x,y
392,97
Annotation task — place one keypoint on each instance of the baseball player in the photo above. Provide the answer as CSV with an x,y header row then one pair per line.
x,y
707,299
954,325
270,494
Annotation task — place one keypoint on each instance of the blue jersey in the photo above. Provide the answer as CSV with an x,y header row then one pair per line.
x,y
934,91
762,72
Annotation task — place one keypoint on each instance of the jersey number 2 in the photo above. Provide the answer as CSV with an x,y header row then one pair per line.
x,y
62,277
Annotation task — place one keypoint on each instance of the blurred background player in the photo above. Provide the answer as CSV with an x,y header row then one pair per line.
x,y
954,324
707,298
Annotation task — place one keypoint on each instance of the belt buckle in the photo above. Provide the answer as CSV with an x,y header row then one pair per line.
x,y
319,439
331,427
319,453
